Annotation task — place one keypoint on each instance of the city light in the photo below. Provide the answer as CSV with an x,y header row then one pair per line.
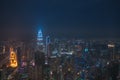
x,y
78,73
86,49
13,59
111,45
40,35
69,69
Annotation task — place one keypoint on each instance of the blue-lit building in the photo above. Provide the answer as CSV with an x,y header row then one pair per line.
x,y
40,38
40,41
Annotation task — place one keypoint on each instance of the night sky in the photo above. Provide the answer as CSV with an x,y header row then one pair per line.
x,y
66,18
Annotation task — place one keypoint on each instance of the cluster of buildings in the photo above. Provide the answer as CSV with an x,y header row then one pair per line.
x,y
76,55
62,57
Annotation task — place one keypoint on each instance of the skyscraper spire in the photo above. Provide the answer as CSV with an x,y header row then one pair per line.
x,y
40,35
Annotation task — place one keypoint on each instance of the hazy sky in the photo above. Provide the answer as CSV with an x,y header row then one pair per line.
x,y
83,18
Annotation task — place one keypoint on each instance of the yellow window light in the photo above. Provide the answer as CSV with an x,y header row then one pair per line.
x,y
13,59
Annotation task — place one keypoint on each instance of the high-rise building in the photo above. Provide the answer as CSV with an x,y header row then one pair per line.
x,y
40,41
40,37
48,46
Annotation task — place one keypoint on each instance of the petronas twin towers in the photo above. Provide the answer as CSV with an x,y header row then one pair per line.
x,y
40,37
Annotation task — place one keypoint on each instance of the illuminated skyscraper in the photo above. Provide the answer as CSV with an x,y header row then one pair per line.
x,y
13,58
39,37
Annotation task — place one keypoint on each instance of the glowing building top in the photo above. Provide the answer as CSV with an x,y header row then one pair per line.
x,y
13,58
39,38
40,35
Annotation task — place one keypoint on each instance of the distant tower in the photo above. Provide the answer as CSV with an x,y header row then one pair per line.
x,y
13,58
48,45
39,38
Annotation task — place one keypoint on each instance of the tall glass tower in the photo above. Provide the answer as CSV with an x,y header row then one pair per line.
x,y
40,37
